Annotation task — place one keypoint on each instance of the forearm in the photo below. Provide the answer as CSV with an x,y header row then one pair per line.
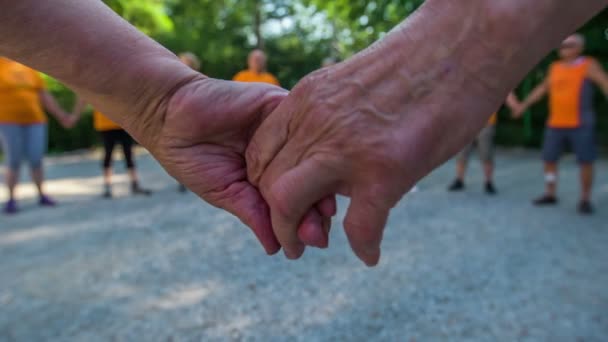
x,y
491,43
51,106
461,58
99,55
512,101
536,95
79,106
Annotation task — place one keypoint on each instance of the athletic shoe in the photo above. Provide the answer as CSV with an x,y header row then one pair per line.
x,y
585,208
11,207
490,189
107,191
137,190
46,201
545,200
458,185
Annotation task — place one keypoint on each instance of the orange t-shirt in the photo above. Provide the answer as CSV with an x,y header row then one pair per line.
x,y
250,76
493,119
103,123
20,89
566,93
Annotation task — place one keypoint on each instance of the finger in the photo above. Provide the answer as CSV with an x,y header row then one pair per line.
x,y
318,235
311,231
290,197
328,207
251,208
364,226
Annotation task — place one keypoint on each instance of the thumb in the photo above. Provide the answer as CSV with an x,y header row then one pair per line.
x,y
267,141
364,225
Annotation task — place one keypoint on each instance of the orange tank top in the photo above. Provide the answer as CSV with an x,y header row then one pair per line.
x,y
567,85
103,123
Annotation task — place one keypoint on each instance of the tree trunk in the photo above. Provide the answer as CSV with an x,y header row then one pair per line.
x,y
258,21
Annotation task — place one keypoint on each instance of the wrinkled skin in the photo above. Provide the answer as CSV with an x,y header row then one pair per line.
x,y
346,130
206,130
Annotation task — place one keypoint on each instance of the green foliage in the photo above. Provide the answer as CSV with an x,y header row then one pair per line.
x,y
148,16
357,24
298,35
79,137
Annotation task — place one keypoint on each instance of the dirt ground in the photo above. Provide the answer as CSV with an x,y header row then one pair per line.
x,y
456,267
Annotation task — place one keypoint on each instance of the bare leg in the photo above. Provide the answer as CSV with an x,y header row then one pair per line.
x,y
107,176
133,176
12,178
551,179
38,178
586,181
461,169
488,170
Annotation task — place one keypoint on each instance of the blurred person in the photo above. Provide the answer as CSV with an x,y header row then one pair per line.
x,y
23,126
194,63
190,60
571,121
112,134
329,61
256,70
485,147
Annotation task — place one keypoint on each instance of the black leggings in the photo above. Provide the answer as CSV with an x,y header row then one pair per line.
x,y
110,138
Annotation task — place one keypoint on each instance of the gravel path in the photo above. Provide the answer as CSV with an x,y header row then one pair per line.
x,y
456,267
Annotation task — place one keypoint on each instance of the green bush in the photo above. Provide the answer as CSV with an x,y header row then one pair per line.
x,y
79,137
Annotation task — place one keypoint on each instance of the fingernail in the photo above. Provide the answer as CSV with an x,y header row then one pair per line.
x,y
272,251
294,254
371,257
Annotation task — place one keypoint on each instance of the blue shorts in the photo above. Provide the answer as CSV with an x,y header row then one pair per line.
x,y
23,142
581,140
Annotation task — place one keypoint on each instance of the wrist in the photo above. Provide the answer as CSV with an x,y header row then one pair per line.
x,y
142,108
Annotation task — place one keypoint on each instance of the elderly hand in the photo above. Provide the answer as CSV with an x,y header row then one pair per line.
x,y
369,129
206,130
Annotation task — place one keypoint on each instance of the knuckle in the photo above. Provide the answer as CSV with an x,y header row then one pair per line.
x,y
255,164
278,202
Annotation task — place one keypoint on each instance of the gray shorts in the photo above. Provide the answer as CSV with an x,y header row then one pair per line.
x,y
485,146
581,140
23,142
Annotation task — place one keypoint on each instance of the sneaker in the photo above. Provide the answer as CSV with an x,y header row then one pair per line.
x,y
11,207
585,208
490,189
107,194
107,191
138,191
458,185
46,201
545,200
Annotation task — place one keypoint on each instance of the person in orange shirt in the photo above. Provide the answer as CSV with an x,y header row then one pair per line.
x,y
256,71
571,116
485,146
23,126
112,134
